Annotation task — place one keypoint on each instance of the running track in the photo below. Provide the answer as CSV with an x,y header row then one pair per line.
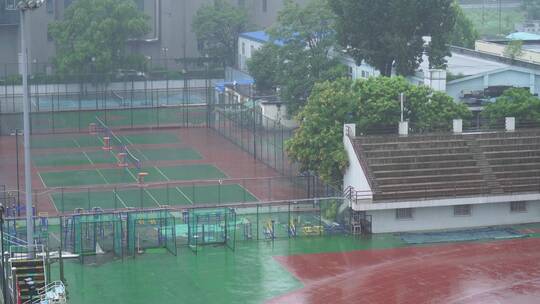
x,y
465,273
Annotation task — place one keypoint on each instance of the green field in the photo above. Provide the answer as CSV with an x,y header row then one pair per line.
x,y
486,21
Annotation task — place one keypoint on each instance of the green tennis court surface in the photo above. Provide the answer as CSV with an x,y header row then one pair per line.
x,y
154,197
166,154
70,178
154,138
85,141
73,158
134,117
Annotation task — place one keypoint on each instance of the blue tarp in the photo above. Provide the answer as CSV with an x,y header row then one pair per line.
x,y
460,235
523,36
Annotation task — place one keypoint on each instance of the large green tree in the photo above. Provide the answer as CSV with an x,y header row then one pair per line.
x,y
515,102
388,34
217,26
464,33
298,55
372,103
93,34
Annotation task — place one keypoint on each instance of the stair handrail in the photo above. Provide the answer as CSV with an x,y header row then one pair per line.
x,y
13,240
44,291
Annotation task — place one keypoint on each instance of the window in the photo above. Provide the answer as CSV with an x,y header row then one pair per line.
x,y
243,48
350,70
50,6
264,6
462,210
402,214
518,207
11,4
251,50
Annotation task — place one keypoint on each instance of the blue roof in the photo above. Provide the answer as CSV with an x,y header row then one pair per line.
x,y
523,36
220,86
259,36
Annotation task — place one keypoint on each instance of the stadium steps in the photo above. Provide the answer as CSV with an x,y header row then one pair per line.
x,y
485,168
432,185
423,165
426,171
514,159
516,167
33,269
432,193
450,178
418,152
420,158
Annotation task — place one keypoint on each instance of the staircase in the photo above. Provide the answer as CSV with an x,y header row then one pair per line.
x,y
27,276
28,271
485,169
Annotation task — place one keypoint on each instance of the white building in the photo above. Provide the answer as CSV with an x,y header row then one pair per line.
x,y
443,181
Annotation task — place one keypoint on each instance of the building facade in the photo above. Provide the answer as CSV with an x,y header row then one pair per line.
x,y
171,34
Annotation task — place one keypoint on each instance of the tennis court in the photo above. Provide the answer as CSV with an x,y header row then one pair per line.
x,y
139,197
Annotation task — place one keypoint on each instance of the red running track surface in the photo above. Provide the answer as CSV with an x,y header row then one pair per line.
x,y
493,272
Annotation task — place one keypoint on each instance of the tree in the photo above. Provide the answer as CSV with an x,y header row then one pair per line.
x,y
464,34
532,9
388,34
514,49
263,67
93,35
514,102
317,144
301,40
217,27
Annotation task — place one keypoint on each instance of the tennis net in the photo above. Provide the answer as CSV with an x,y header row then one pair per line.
x,y
117,144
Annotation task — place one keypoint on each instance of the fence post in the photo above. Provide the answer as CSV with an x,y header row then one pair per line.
x,y
257,222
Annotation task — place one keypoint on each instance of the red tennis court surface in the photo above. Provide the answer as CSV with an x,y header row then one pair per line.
x,y
494,272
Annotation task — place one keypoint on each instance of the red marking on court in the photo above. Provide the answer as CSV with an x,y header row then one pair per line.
x,y
494,272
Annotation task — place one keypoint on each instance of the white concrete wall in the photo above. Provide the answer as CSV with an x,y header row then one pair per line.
x,y
498,49
354,174
433,218
246,48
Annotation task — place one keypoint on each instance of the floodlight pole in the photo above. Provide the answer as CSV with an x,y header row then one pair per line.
x,y
26,132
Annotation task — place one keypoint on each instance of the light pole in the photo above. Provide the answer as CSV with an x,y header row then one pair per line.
x,y
24,6
2,248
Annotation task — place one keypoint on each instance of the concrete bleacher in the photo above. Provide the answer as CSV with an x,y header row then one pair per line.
x,y
514,158
436,166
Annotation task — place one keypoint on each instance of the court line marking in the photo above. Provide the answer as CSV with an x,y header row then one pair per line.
x,y
53,203
133,145
88,157
102,176
119,198
182,192
76,142
176,188
161,172
152,197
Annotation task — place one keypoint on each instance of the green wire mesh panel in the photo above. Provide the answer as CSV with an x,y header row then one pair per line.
x,y
211,226
151,229
97,234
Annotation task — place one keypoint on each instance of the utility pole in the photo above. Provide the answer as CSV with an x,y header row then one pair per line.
x,y
23,7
